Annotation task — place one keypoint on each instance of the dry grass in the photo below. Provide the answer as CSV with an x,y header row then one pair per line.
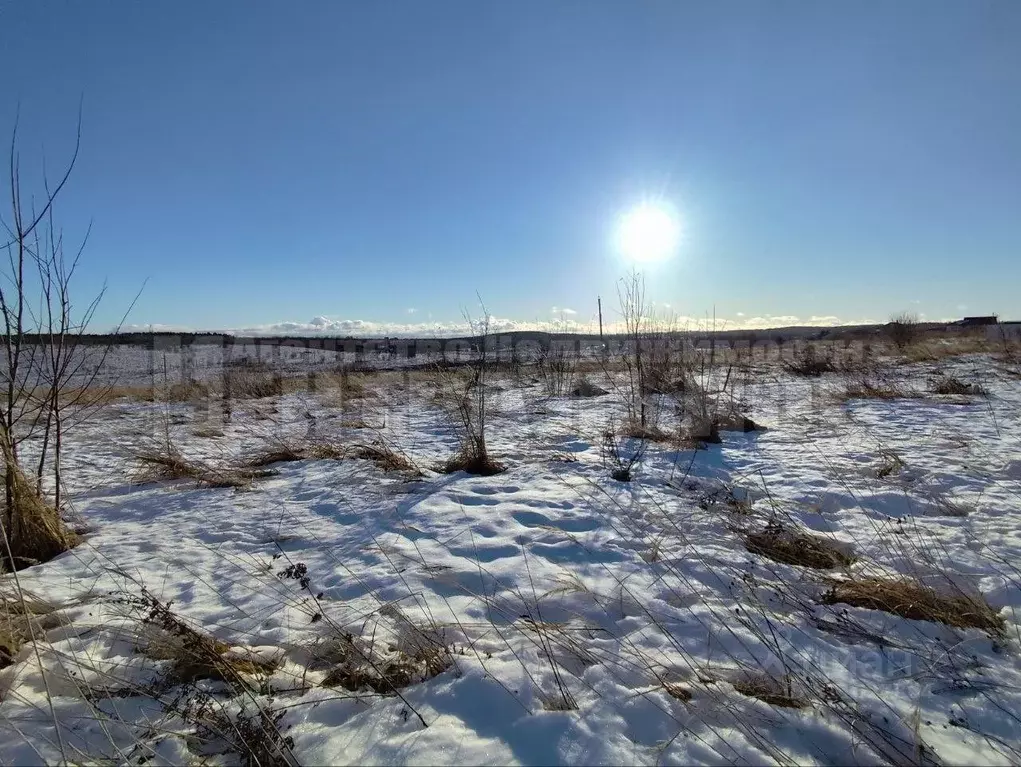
x,y
864,388
164,462
946,347
284,451
910,599
186,391
769,690
585,388
794,547
358,666
194,655
32,531
891,465
947,384
255,382
386,456
810,363
649,432
22,618
473,462
389,672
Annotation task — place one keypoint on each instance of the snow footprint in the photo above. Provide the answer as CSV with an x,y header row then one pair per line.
x,y
568,524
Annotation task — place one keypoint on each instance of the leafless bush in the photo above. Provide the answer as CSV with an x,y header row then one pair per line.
x,y
556,366
47,383
621,456
944,383
902,330
808,361
470,396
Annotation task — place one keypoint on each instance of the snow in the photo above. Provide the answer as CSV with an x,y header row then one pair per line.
x,y
555,586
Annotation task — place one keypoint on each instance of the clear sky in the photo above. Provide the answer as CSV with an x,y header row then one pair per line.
x,y
381,162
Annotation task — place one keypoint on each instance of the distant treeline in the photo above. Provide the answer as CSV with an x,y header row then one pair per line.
x,y
168,339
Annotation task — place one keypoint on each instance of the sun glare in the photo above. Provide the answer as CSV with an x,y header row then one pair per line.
x,y
648,233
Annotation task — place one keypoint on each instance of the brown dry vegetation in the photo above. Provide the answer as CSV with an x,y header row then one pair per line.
x,y
23,617
386,456
913,600
31,531
164,462
768,690
795,547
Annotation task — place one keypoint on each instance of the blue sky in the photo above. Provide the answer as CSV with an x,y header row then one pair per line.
x,y
275,162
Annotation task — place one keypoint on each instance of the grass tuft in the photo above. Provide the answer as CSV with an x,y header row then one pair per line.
x,y
769,690
386,456
794,547
31,530
951,385
910,599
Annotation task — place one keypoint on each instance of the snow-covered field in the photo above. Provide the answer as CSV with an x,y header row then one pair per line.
x,y
544,615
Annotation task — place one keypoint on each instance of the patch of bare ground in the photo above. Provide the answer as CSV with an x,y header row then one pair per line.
x,y
913,600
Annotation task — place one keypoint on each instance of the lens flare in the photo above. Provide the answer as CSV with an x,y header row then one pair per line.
x,y
648,233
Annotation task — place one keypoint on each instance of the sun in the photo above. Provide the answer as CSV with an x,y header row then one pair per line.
x,y
648,233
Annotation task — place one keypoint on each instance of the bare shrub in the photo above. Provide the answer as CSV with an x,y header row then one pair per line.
x,y
809,362
902,330
621,457
782,543
46,378
944,383
555,365
470,396
913,600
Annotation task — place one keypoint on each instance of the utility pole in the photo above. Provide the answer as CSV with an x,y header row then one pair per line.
x,y
599,302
